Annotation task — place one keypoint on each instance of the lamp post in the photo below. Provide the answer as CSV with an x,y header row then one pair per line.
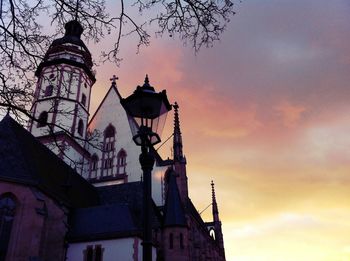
x,y
147,112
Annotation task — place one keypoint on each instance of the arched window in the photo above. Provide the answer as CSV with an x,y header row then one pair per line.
x,y
94,166
48,90
212,233
109,131
83,99
121,162
81,127
108,150
7,215
42,120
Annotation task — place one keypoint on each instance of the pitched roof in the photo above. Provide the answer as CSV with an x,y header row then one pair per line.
x,y
131,194
101,222
174,214
24,160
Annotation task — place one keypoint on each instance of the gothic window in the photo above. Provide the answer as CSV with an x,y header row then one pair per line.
x,y
108,150
108,163
7,215
42,120
83,99
121,162
93,166
171,241
109,131
48,90
81,127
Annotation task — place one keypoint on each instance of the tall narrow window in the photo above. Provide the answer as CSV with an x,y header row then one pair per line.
x,y
98,253
81,127
89,254
121,162
83,99
42,120
108,150
7,215
182,241
48,90
171,241
94,166
108,163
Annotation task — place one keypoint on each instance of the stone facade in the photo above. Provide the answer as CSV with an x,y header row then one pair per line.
x,y
39,225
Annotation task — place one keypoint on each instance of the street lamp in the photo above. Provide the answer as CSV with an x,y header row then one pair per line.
x,y
147,112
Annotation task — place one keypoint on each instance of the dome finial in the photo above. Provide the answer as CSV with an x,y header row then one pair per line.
x,y
146,84
73,28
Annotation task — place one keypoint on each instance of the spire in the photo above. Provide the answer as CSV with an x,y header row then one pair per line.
x,y
146,84
177,147
217,223
214,204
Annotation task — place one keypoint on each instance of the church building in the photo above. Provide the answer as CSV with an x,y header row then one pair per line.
x,y
71,183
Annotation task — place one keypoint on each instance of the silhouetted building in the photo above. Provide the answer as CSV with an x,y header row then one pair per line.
x,y
71,188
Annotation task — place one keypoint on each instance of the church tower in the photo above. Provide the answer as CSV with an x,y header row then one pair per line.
x,y
62,97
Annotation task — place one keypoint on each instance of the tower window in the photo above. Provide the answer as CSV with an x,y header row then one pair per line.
x,y
81,127
48,90
7,215
42,120
83,99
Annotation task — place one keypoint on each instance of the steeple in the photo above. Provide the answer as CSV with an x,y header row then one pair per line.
x,y
214,204
179,159
177,146
217,223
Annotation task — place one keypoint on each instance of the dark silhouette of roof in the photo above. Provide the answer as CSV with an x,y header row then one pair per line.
x,y
24,160
174,214
101,222
130,194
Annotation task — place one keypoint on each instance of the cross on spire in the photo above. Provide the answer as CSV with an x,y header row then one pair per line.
x,y
113,79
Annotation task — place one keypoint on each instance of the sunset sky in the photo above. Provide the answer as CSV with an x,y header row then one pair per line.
x,y
264,113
